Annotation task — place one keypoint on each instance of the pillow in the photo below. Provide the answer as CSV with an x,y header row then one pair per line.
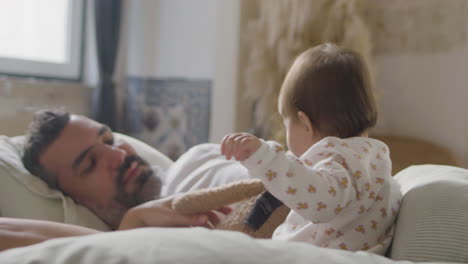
x,y
150,154
432,224
23,195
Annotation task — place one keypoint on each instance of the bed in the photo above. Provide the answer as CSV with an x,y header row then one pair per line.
x,y
25,196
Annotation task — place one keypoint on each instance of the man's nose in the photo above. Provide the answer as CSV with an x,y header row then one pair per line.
x,y
125,147
118,152
116,157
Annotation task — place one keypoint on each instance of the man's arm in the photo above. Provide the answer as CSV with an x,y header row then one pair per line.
x,y
159,213
16,232
22,232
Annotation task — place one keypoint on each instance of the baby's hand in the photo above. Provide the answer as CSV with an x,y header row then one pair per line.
x,y
239,145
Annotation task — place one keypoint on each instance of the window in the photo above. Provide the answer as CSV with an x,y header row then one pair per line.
x,y
41,38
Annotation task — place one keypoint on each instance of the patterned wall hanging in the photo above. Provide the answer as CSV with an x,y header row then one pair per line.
x,y
169,114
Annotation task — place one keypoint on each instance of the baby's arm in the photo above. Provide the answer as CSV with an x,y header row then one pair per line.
x,y
317,192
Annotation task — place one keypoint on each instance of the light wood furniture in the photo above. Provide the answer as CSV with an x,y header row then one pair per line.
x,y
406,151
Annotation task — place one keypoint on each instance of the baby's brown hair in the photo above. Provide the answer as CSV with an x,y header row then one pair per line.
x,y
331,85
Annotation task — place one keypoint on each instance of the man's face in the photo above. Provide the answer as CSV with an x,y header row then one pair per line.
x,y
96,171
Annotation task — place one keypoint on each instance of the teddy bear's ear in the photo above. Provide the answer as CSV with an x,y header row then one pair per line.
x,y
214,198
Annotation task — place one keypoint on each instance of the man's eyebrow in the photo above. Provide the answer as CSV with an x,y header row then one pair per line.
x,y
82,155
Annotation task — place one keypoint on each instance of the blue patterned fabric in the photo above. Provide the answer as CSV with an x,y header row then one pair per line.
x,y
171,114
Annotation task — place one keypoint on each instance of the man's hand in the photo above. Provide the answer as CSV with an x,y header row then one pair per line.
x,y
239,145
158,213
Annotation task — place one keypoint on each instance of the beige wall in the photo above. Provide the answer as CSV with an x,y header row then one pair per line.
x,y
421,50
19,98
224,105
422,70
425,96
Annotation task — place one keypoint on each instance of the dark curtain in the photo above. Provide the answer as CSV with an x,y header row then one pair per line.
x,y
107,15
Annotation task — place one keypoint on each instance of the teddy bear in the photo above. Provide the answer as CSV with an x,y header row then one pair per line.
x,y
255,211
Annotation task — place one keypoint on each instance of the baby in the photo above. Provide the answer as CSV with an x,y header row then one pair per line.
x,y
336,179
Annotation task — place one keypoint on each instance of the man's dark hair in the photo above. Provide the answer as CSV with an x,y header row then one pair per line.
x,y
43,130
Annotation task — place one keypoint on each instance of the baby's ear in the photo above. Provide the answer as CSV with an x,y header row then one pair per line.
x,y
305,121
214,198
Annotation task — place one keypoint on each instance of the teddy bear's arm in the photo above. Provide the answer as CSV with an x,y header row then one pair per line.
x,y
214,198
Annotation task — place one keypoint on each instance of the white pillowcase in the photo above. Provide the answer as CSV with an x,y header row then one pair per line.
x,y
148,153
23,195
432,224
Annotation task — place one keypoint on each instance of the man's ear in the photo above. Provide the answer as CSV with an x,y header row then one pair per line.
x,y
305,121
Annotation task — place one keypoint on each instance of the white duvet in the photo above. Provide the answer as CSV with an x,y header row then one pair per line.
x,y
180,245
200,167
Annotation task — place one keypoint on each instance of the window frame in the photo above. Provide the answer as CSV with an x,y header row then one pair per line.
x,y
68,71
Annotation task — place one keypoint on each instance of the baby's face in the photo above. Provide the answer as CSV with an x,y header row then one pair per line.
x,y
299,130
298,137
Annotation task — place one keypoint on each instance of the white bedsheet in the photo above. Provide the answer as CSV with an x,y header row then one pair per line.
x,y
200,167
180,245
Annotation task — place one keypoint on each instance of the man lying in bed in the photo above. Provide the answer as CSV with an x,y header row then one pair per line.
x,y
81,158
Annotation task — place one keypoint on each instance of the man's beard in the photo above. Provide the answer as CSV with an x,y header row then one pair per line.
x,y
147,188
148,185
